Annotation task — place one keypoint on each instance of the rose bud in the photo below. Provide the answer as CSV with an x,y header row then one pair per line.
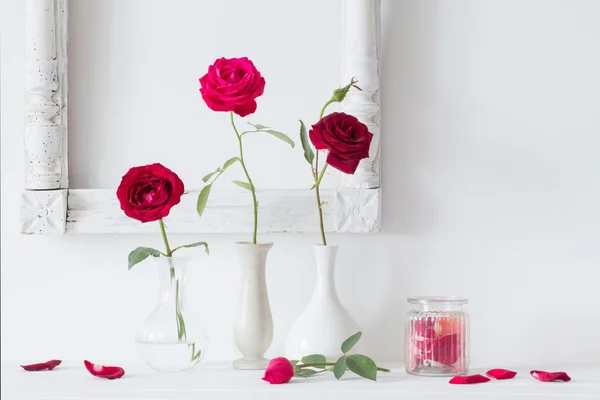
x,y
279,370
340,94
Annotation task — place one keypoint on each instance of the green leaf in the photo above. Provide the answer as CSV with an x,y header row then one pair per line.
x,y
245,185
203,199
207,177
140,254
340,368
282,136
314,359
195,355
187,246
351,342
362,366
306,372
294,362
309,154
258,126
230,162
181,332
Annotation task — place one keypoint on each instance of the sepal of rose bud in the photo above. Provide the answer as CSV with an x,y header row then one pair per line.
x,y
340,94
279,370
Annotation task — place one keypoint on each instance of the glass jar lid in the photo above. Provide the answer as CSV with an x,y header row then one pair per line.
x,y
438,300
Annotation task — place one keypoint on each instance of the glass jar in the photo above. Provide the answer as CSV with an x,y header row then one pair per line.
x,y
173,338
437,337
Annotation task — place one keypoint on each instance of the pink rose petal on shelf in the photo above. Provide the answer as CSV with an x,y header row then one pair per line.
x,y
544,376
49,365
500,374
468,379
102,371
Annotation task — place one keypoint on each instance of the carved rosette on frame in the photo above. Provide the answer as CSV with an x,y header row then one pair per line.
x,y
44,212
358,201
45,85
357,211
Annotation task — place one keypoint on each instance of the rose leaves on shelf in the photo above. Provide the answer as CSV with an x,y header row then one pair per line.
x,y
101,371
468,379
544,376
281,370
501,374
48,365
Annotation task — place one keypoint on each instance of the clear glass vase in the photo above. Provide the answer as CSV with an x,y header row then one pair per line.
x,y
173,338
437,337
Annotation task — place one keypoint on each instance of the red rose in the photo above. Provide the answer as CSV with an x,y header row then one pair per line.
x,y
347,139
279,370
232,85
147,193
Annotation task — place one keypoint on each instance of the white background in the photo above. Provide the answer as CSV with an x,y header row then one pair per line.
x,y
491,179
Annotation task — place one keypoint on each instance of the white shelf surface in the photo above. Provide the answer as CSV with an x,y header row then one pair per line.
x,y
71,381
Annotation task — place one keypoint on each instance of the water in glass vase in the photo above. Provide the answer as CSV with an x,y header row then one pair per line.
x,y
173,338
170,356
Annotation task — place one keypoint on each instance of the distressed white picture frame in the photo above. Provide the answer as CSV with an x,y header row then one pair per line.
x,y
50,207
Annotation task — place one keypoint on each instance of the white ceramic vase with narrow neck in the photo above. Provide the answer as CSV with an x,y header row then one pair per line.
x,y
253,326
325,323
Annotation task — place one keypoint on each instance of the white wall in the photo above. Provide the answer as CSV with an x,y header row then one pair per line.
x,y
492,186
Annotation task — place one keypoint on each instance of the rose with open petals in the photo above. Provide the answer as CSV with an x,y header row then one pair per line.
x,y
347,139
147,193
232,84
279,370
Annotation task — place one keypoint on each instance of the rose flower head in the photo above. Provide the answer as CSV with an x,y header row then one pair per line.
x,y
147,193
279,370
232,84
347,139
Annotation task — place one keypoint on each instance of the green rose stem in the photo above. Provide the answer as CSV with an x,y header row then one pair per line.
x,y
181,332
164,236
318,177
252,188
332,364
338,96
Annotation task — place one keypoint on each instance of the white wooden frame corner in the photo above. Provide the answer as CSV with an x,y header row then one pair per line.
x,y
50,207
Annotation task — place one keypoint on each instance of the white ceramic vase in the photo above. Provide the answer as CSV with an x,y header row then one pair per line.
x,y
325,323
253,327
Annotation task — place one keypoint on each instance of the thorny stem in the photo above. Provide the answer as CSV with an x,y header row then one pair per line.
x,y
252,188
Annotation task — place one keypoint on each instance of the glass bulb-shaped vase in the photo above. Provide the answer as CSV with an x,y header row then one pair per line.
x,y
173,338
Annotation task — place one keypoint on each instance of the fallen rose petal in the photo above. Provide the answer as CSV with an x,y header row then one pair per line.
x,y
501,374
49,365
102,371
544,376
468,379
